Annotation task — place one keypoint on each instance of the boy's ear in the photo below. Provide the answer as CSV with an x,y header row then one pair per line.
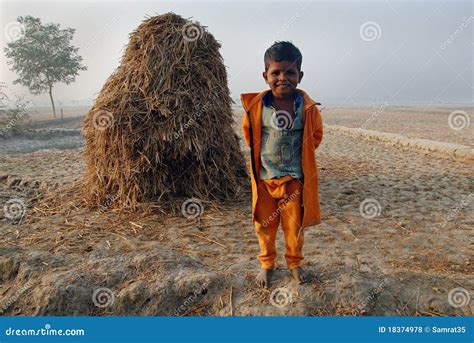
x,y
301,75
264,74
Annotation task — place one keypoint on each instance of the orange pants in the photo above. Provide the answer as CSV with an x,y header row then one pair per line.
x,y
279,200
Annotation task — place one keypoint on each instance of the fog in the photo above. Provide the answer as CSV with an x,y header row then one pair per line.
x,y
353,52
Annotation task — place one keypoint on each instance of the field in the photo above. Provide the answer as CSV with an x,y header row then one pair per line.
x,y
395,237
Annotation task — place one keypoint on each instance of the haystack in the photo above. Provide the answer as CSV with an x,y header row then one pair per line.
x,y
161,127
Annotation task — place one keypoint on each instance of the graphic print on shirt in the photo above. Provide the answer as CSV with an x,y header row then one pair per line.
x,y
281,143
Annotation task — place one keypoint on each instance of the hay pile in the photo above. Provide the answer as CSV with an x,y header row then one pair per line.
x,y
161,127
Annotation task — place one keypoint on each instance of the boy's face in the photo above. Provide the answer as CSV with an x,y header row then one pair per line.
x,y
283,78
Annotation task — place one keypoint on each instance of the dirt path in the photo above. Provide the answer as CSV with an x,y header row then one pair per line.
x,y
401,254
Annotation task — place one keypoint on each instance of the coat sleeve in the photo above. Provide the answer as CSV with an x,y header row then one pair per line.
x,y
245,129
317,129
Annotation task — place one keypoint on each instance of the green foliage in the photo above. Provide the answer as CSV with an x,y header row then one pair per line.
x,y
43,55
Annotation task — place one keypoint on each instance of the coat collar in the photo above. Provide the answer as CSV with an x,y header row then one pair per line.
x,y
250,99
267,99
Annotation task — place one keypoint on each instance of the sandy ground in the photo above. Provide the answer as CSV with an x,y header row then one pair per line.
x,y
395,239
415,122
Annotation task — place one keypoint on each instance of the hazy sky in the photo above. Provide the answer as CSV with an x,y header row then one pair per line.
x,y
353,52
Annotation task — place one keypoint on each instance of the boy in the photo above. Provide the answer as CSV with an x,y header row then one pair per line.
x,y
283,127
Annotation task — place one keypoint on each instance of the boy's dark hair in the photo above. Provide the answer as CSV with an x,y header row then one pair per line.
x,y
283,51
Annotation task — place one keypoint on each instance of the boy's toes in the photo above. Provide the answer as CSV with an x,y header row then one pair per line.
x,y
263,278
299,274
303,278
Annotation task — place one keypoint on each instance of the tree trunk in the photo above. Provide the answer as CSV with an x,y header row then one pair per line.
x,y
52,101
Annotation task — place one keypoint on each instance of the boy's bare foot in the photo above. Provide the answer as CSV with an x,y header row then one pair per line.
x,y
263,278
299,274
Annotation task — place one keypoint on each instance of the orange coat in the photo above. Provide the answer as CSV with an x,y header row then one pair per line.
x,y
312,136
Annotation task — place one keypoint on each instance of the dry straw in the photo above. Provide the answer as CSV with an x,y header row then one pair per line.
x,y
161,127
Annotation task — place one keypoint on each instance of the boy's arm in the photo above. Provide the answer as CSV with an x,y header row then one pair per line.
x,y
317,129
245,129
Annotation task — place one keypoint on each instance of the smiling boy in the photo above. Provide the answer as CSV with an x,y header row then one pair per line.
x,y
283,127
